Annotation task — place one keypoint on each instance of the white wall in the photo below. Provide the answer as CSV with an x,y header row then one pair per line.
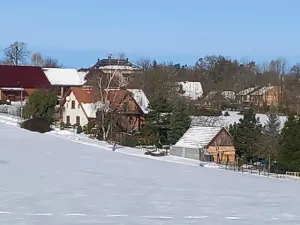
x,y
68,111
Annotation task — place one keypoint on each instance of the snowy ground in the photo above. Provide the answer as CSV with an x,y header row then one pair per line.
x,y
233,117
50,180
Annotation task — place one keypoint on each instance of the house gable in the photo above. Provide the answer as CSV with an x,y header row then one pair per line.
x,y
73,109
223,138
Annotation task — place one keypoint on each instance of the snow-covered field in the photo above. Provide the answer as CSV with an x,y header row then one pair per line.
x,y
51,180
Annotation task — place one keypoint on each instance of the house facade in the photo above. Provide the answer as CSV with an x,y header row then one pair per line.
x,y
192,90
212,144
77,106
260,96
269,95
80,106
215,99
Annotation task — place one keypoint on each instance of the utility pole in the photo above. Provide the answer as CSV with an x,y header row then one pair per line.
x,y
21,102
269,169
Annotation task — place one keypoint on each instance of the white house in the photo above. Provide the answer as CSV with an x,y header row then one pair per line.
x,y
191,90
78,106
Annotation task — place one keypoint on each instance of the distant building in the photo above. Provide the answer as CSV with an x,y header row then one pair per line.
x,y
192,90
117,67
259,96
215,99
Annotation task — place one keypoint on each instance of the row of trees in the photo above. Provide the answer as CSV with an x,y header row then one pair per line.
x,y
268,144
18,54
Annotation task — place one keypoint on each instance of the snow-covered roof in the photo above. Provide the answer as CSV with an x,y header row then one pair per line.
x,y
192,90
82,75
262,90
62,76
12,89
246,91
141,99
198,137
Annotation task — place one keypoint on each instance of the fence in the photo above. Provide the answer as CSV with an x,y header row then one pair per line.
x,y
259,170
14,109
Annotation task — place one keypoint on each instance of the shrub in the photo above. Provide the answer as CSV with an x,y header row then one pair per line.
x,y
68,125
89,127
40,104
226,113
79,130
37,124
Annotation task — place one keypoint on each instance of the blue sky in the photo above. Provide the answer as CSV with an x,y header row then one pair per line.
x,y
78,32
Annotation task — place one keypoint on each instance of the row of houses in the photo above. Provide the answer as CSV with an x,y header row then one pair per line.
x,y
252,96
78,103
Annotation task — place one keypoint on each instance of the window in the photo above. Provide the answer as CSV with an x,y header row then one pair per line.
x,y
73,105
125,106
68,119
77,120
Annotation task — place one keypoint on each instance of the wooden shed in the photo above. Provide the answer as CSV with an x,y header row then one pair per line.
x,y
212,144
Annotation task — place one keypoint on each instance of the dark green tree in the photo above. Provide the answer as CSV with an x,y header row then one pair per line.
x,y
290,144
40,104
246,134
272,127
179,122
157,123
267,146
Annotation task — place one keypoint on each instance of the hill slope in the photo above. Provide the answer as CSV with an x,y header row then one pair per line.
x,y
50,180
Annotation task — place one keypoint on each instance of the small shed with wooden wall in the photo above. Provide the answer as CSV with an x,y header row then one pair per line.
x,y
211,144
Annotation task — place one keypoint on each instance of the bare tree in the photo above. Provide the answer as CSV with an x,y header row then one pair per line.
x,y
108,87
207,121
51,63
144,64
16,53
296,70
37,59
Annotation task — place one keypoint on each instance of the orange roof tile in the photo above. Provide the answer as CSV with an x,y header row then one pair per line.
x,y
84,95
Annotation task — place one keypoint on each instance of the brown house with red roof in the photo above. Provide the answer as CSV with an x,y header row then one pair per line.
x,y
80,106
17,79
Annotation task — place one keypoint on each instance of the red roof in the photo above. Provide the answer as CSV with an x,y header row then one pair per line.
x,y
84,95
23,76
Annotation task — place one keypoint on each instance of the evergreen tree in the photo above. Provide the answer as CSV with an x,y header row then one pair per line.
x,y
40,104
246,134
290,144
179,122
267,146
272,127
157,122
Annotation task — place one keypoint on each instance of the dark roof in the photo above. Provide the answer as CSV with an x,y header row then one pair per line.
x,y
112,62
23,76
